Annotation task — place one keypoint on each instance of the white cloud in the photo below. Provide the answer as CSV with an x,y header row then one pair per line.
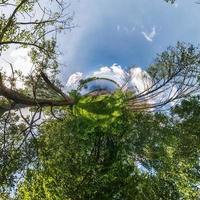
x,y
140,79
20,61
73,80
117,70
136,80
102,71
114,72
150,36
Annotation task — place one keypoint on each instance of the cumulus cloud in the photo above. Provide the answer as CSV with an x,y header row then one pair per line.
x,y
140,79
150,36
73,80
135,79
114,72
103,70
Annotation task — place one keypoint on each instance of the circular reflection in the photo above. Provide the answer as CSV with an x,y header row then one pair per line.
x,y
98,85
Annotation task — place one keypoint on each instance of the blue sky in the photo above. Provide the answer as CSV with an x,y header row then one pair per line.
x,y
127,32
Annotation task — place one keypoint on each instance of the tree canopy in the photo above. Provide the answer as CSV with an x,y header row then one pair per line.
x,y
112,153
101,145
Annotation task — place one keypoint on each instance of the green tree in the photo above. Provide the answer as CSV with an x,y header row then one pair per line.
x,y
112,153
108,136
33,25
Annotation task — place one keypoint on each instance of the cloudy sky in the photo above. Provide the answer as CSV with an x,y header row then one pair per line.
x,y
127,32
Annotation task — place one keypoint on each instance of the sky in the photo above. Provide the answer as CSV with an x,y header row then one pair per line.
x,y
127,32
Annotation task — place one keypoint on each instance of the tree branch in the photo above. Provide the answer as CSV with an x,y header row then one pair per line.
x,y
22,99
54,87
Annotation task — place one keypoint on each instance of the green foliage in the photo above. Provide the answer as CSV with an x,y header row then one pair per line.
x,y
87,149
34,25
101,149
176,60
4,197
105,151
14,154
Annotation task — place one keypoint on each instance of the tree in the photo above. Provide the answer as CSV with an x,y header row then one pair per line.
x,y
112,153
40,34
34,33
42,95
33,25
177,66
